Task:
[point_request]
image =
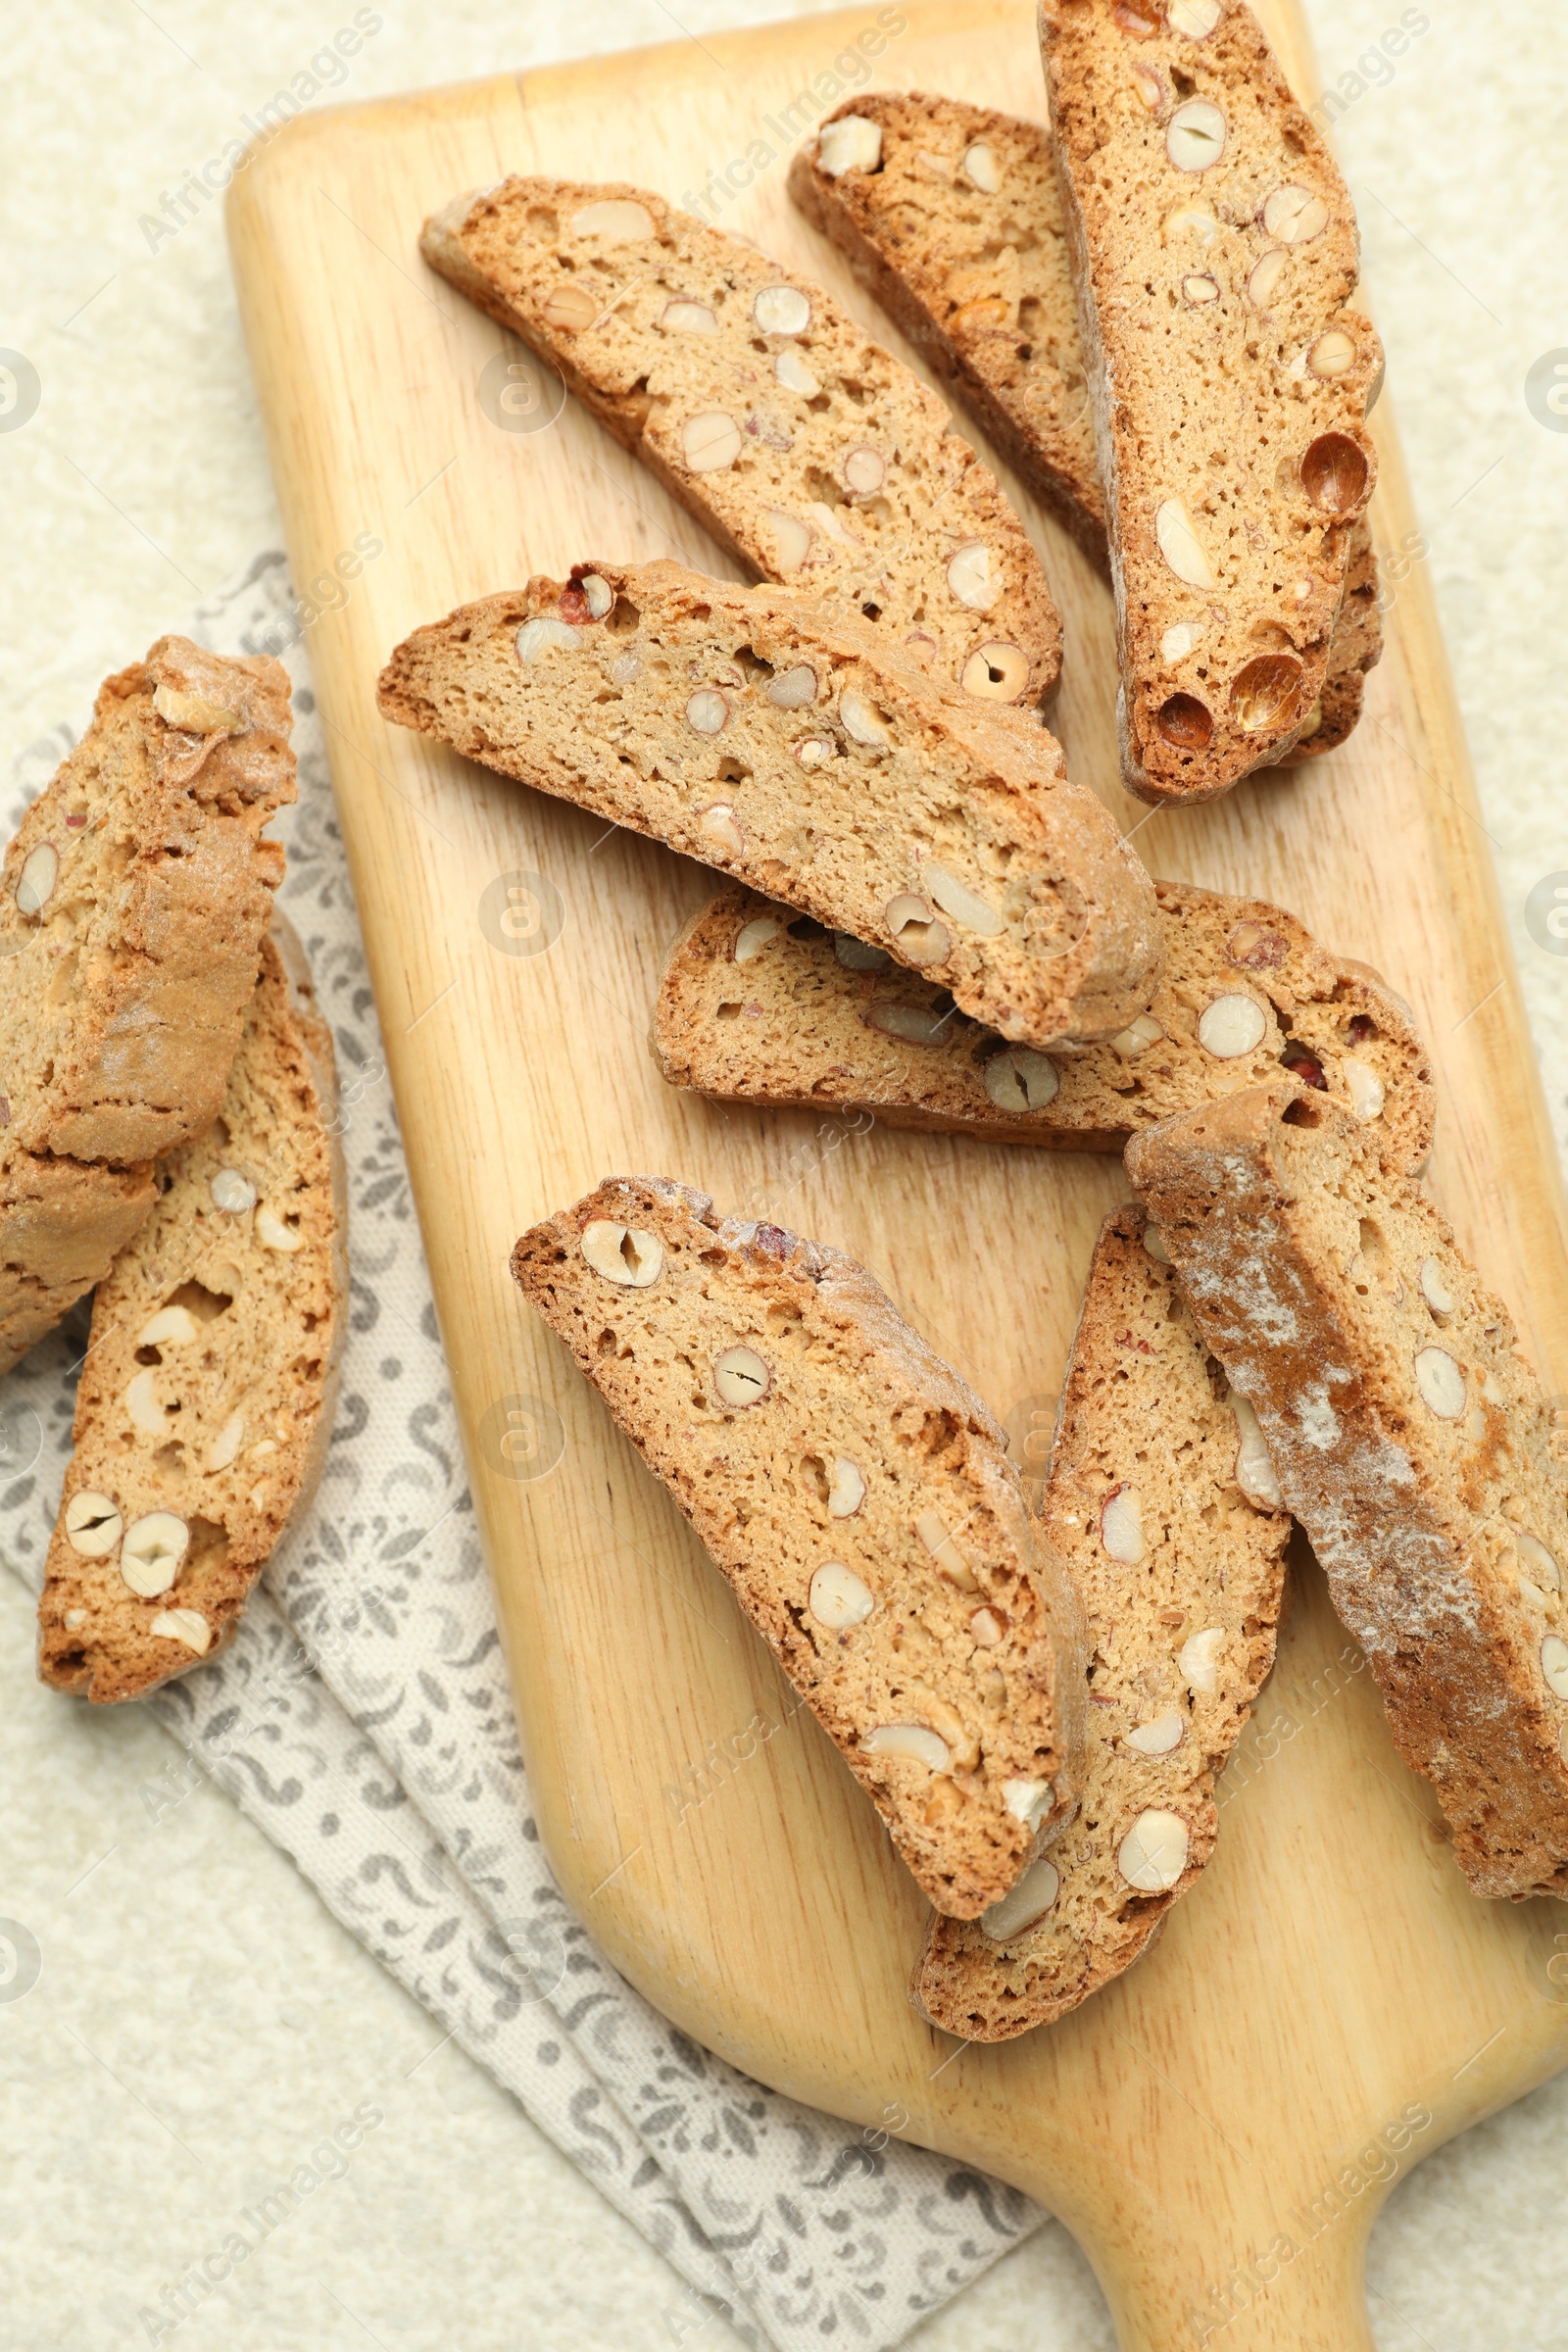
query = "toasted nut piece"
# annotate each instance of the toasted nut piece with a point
(914, 1024)
(680, 317)
(711, 441)
(851, 144)
(1028, 1802)
(1140, 17)
(1138, 1037)
(1121, 1526)
(911, 1741)
(986, 1628)
(1195, 136)
(861, 718)
(781, 310)
(623, 1254)
(932, 1530)
(755, 936)
(1159, 1737)
(1264, 275)
(1293, 215)
(935, 1712)
(170, 1327)
(1020, 1080)
(707, 710)
(857, 957)
(957, 899)
(141, 1403)
(194, 714)
(569, 308)
(815, 751)
(973, 575)
(791, 371)
(225, 1445)
(233, 1192)
(1554, 1664)
(793, 689)
(790, 536)
(997, 671)
(1151, 89)
(1257, 950)
(545, 630)
(1181, 639)
(274, 1234)
(922, 940)
(1154, 1853)
(74, 1619)
(599, 593)
(36, 881)
(93, 1524)
(1155, 1246)
(838, 1597)
(720, 829)
(1199, 1662)
(1232, 1025)
(1441, 1381)
(980, 169)
(1266, 693)
(1192, 219)
(1433, 1290)
(741, 1377)
(1024, 1904)
(1366, 1086)
(1197, 18)
(150, 1554)
(1186, 722)
(1542, 1564)
(1255, 1464)
(1200, 289)
(1332, 355)
(863, 471)
(1335, 473)
(184, 1625)
(935, 167)
(1180, 545)
(614, 220)
(846, 1488)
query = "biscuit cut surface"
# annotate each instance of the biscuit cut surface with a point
(61, 1223)
(134, 902)
(1163, 1512)
(778, 738)
(859, 1500)
(207, 1397)
(759, 1005)
(1411, 1438)
(808, 451)
(1214, 254)
(951, 215)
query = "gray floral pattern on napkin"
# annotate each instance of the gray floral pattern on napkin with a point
(363, 1718)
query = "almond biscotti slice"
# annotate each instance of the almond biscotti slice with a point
(61, 1224)
(759, 1005)
(857, 1498)
(205, 1403)
(134, 902)
(1411, 1438)
(1214, 254)
(809, 451)
(1163, 1510)
(952, 215)
(782, 740)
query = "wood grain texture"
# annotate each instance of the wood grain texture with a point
(1331, 1971)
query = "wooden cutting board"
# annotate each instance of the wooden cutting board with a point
(1330, 2004)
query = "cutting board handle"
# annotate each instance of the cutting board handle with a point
(1291, 2293)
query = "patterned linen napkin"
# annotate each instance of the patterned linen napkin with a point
(362, 1717)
